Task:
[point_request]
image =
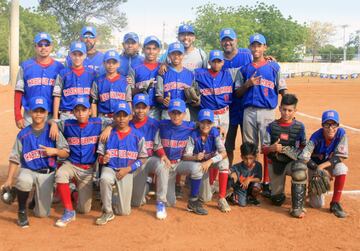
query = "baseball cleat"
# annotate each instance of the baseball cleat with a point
(196, 206)
(105, 218)
(223, 205)
(178, 192)
(337, 210)
(22, 221)
(67, 217)
(160, 210)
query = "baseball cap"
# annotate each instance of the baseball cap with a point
(186, 28)
(227, 32)
(82, 101)
(216, 54)
(88, 29)
(206, 114)
(330, 115)
(131, 35)
(177, 46)
(111, 54)
(141, 98)
(42, 36)
(38, 102)
(177, 105)
(257, 38)
(78, 46)
(123, 106)
(152, 39)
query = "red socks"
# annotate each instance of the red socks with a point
(213, 172)
(63, 190)
(338, 187)
(223, 177)
(266, 178)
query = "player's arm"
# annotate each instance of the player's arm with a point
(340, 154)
(159, 91)
(241, 86)
(19, 93)
(57, 96)
(159, 150)
(267, 147)
(189, 152)
(106, 128)
(281, 84)
(61, 150)
(14, 162)
(219, 156)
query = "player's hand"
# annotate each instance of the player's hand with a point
(162, 69)
(166, 101)
(106, 158)
(166, 161)
(49, 151)
(253, 80)
(7, 183)
(200, 156)
(20, 124)
(270, 58)
(221, 131)
(54, 131)
(234, 177)
(104, 136)
(123, 172)
(276, 147)
(206, 165)
(129, 80)
(245, 183)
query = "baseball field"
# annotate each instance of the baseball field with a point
(256, 227)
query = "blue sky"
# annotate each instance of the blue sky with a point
(147, 17)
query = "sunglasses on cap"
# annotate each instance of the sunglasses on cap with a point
(43, 43)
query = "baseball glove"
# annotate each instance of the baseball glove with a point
(291, 152)
(193, 96)
(319, 183)
(8, 195)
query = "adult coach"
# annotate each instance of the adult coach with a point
(130, 57)
(36, 77)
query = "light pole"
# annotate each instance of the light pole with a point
(14, 41)
(344, 27)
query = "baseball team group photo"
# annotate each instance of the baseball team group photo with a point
(198, 133)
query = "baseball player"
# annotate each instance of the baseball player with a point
(94, 58)
(82, 136)
(286, 131)
(245, 177)
(123, 153)
(36, 77)
(172, 137)
(36, 152)
(72, 82)
(205, 148)
(259, 84)
(130, 57)
(171, 85)
(109, 89)
(326, 150)
(143, 76)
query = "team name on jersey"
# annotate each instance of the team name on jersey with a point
(76, 91)
(82, 141)
(267, 83)
(174, 86)
(173, 143)
(35, 154)
(216, 91)
(122, 154)
(112, 95)
(40, 81)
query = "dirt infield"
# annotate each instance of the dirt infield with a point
(261, 227)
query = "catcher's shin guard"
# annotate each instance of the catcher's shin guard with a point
(298, 192)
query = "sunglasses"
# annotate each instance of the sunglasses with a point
(41, 44)
(332, 126)
(88, 36)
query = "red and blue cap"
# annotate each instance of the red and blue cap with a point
(186, 28)
(206, 114)
(227, 33)
(257, 38)
(111, 54)
(38, 102)
(131, 35)
(330, 115)
(177, 46)
(82, 101)
(88, 29)
(123, 106)
(42, 36)
(141, 98)
(78, 46)
(152, 39)
(216, 54)
(177, 105)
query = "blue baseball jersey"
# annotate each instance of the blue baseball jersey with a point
(127, 62)
(216, 92)
(243, 171)
(35, 79)
(94, 62)
(124, 150)
(148, 129)
(142, 73)
(243, 57)
(70, 86)
(174, 138)
(109, 93)
(264, 95)
(83, 142)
